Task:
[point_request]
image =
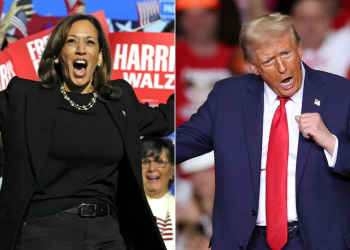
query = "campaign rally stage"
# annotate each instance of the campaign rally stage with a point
(145, 59)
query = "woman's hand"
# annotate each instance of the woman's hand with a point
(5, 23)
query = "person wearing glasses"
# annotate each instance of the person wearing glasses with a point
(158, 177)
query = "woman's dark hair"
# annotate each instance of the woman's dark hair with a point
(153, 147)
(51, 74)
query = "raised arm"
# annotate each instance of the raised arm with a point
(157, 121)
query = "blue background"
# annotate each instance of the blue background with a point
(116, 9)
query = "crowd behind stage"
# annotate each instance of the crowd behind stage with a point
(207, 50)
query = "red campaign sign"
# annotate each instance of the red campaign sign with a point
(1, 5)
(147, 61)
(26, 52)
(101, 17)
(6, 69)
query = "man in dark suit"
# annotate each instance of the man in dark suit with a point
(281, 143)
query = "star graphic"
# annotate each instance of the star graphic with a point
(124, 27)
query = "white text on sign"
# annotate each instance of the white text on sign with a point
(36, 49)
(143, 61)
(140, 80)
(6, 73)
(151, 58)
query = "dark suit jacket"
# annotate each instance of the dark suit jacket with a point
(230, 122)
(27, 113)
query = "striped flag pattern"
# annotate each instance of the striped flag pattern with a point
(148, 11)
(166, 228)
(164, 211)
(20, 22)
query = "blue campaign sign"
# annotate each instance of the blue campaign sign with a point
(167, 9)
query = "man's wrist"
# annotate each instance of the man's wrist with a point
(331, 145)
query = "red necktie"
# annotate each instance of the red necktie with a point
(276, 179)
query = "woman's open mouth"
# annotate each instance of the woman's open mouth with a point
(79, 67)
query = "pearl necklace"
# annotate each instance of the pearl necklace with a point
(83, 107)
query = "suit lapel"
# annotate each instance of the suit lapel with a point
(41, 107)
(127, 129)
(253, 108)
(312, 93)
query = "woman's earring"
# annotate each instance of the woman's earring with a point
(99, 64)
(56, 61)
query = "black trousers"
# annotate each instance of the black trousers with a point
(70, 232)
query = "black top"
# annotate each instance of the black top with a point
(81, 164)
(27, 116)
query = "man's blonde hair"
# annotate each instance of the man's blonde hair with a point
(263, 30)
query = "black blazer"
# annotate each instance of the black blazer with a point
(27, 113)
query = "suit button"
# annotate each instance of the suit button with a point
(240, 248)
(253, 212)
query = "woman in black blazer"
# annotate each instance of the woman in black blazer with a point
(72, 152)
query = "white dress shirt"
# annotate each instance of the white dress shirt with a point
(293, 108)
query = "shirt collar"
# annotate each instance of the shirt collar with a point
(270, 96)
